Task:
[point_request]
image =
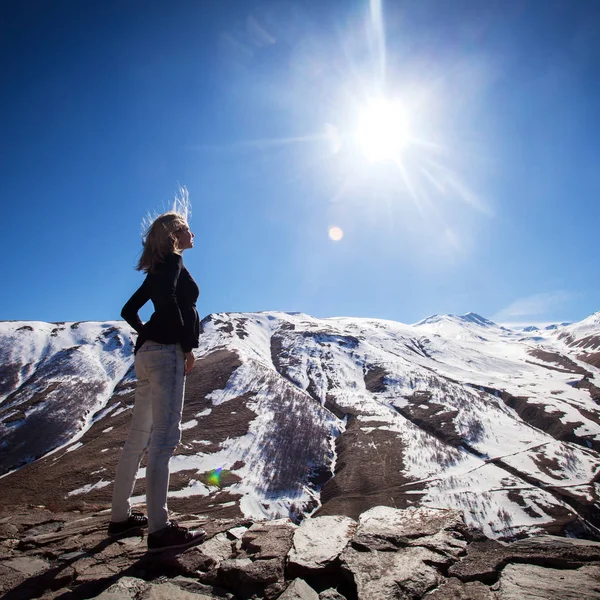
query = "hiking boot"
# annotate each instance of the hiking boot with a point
(136, 520)
(174, 536)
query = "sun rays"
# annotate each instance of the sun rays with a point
(378, 151)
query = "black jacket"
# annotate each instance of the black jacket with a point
(173, 292)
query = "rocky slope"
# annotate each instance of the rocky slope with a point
(386, 554)
(287, 416)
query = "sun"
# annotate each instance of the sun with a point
(383, 131)
(336, 233)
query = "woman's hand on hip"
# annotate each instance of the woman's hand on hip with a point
(189, 361)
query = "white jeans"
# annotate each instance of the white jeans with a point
(156, 425)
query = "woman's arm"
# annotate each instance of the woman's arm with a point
(134, 304)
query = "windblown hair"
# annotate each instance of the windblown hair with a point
(159, 237)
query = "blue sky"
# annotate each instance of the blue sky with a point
(485, 200)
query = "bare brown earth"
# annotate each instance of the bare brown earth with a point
(294, 453)
(536, 414)
(593, 359)
(591, 345)
(566, 365)
(590, 342)
(49, 480)
(367, 472)
(594, 391)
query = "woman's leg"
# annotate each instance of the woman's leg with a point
(137, 441)
(167, 381)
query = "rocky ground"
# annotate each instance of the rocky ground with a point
(386, 554)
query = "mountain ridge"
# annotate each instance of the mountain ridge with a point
(287, 409)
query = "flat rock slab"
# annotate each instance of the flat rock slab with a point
(127, 588)
(33, 515)
(246, 571)
(237, 532)
(168, 591)
(9, 579)
(268, 539)
(485, 559)
(26, 565)
(455, 589)
(449, 543)
(43, 528)
(8, 531)
(132, 588)
(574, 548)
(530, 582)
(386, 528)
(319, 541)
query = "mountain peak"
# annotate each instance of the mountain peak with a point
(469, 317)
(593, 319)
(475, 318)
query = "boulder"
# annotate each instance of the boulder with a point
(127, 588)
(268, 539)
(191, 584)
(192, 562)
(299, 590)
(239, 573)
(455, 589)
(169, 591)
(131, 588)
(331, 594)
(218, 548)
(404, 574)
(482, 562)
(237, 533)
(318, 542)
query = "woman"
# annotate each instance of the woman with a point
(163, 356)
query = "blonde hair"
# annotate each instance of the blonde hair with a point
(159, 237)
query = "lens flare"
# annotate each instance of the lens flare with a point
(336, 233)
(214, 477)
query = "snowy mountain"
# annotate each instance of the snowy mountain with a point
(585, 337)
(286, 414)
(55, 378)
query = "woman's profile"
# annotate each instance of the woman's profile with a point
(163, 357)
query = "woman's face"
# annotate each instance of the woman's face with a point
(185, 238)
